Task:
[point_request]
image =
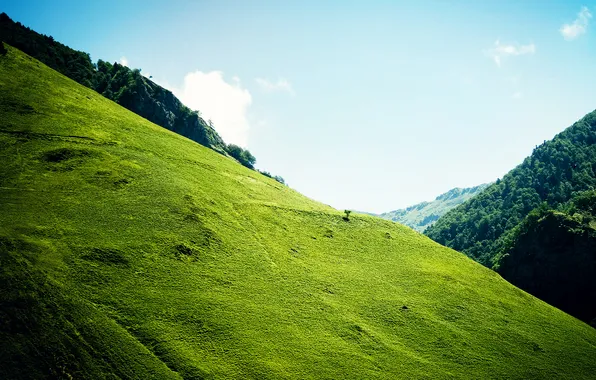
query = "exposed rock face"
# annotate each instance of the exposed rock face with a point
(160, 106)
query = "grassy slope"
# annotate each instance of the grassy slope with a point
(127, 250)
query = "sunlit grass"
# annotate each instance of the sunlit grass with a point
(130, 251)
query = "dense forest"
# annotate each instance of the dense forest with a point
(556, 171)
(124, 86)
(552, 255)
(74, 64)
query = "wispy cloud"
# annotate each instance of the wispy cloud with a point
(577, 27)
(516, 95)
(123, 61)
(282, 85)
(501, 51)
(224, 103)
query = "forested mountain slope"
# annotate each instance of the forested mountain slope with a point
(552, 255)
(128, 251)
(425, 214)
(554, 172)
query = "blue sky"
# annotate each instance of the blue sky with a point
(371, 105)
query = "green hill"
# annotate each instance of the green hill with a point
(128, 251)
(123, 85)
(425, 214)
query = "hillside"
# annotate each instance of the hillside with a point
(552, 255)
(553, 173)
(425, 214)
(128, 251)
(125, 86)
(119, 83)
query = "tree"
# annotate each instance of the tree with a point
(275, 177)
(242, 155)
(249, 159)
(347, 217)
(3, 50)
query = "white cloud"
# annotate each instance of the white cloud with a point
(226, 104)
(516, 95)
(500, 51)
(577, 27)
(282, 85)
(123, 61)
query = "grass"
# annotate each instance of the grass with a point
(127, 251)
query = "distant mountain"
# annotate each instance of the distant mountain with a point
(423, 215)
